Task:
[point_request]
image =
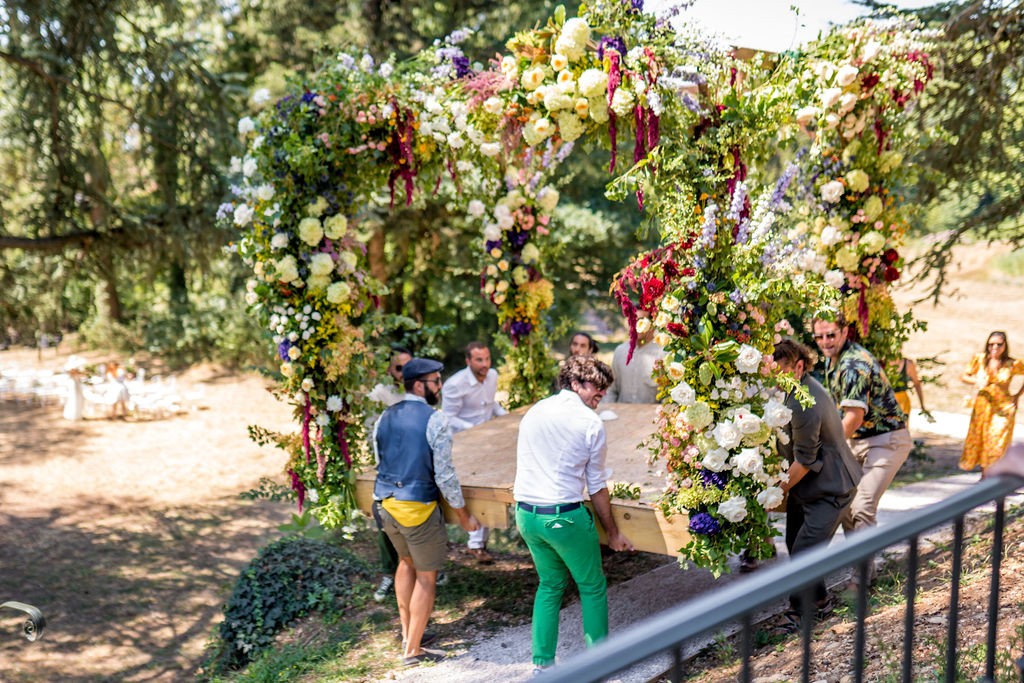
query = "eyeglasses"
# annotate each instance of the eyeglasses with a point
(827, 335)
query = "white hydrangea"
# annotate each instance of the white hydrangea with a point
(593, 83)
(572, 41)
(279, 240)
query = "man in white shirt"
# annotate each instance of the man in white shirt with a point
(633, 382)
(560, 458)
(467, 399)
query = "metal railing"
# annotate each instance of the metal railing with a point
(672, 630)
(36, 622)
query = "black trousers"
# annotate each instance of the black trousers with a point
(811, 523)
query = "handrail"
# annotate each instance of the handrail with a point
(673, 627)
(36, 622)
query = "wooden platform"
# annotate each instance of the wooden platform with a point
(485, 459)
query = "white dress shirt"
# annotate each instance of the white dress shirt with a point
(633, 382)
(467, 402)
(561, 452)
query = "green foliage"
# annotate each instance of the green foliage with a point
(267, 489)
(288, 579)
(625, 490)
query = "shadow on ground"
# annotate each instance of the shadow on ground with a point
(114, 582)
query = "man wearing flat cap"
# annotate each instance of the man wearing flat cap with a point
(413, 444)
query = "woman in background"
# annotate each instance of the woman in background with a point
(995, 408)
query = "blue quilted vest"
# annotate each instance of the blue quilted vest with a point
(406, 468)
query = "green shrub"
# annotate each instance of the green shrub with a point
(288, 579)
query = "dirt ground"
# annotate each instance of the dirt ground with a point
(129, 534)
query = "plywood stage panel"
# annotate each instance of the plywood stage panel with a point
(485, 459)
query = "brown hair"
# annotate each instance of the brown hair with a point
(582, 369)
(474, 346)
(1006, 345)
(792, 351)
(590, 341)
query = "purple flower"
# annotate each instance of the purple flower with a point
(703, 523)
(462, 67)
(492, 244)
(716, 479)
(225, 210)
(518, 239)
(637, 6)
(613, 43)
(282, 349)
(520, 328)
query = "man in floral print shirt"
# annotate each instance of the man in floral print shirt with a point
(872, 418)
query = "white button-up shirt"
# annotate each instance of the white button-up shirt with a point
(561, 452)
(467, 402)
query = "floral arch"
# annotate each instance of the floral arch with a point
(745, 247)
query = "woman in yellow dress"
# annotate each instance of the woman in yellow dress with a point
(995, 408)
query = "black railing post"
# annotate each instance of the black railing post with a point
(954, 599)
(993, 594)
(862, 613)
(908, 620)
(746, 646)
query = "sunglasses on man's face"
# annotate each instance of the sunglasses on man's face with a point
(827, 335)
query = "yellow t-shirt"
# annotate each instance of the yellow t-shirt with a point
(408, 512)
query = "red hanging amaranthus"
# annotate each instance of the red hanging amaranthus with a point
(614, 81)
(401, 152)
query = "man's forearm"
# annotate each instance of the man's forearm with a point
(603, 507)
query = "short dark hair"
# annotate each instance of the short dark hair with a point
(474, 346)
(594, 348)
(792, 351)
(581, 369)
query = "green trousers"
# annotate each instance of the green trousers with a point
(563, 545)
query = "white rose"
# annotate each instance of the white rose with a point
(749, 461)
(490, 149)
(770, 498)
(246, 125)
(559, 62)
(260, 96)
(749, 359)
(683, 394)
(593, 83)
(265, 192)
(847, 74)
(734, 509)
(747, 422)
(294, 352)
(456, 141)
(476, 208)
(243, 214)
(509, 67)
(493, 105)
(726, 435)
(492, 232)
(249, 167)
(807, 114)
(831, 235)
(832, 191)
(830, 96)
(715, 460)
(847, 102)
(835, 278)
(643, 326)
(870, 51)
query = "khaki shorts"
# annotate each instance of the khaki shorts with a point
(426, 544)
